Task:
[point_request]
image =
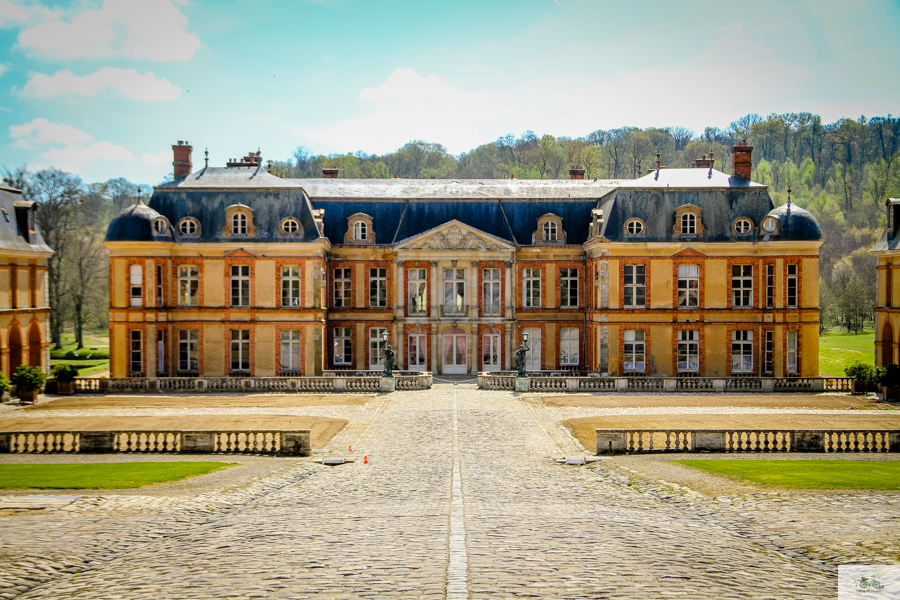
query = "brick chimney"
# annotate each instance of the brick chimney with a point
(330, 172)
(576, 172)
(182, 163)
(741, 160)
(703, 163)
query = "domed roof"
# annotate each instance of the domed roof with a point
(137, 224)
(796, 223)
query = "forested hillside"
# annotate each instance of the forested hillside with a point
(841, 171)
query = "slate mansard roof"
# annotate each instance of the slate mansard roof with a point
(506, 208)
(14, 230)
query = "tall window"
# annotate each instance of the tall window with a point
(532, 289)
(160, 351)
(769, 353)
(568, 346)
(342, 281)
(888, 283)
(688, 351)
(160, 296)
(792, 286)
(688, 286)
(189, 350)
(290, 350)
(792, 353)
(240, 350)
(136, 278)
(742, 285)
(741, 351)
(188, 286)
(359, 230)
(568, 288)
(770, 286)
(490, 289)
(635, 286)
(378, 287)
(136, 353)
(418, 291)
(550, 233)
(454, 291)
(239, 224)
(240, 285)
(634, 350)
(376, 347)
(290, 285)
(688, 224)
(343, 351)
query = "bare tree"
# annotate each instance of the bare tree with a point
(682, 136)
(86, 265)
(16, 177)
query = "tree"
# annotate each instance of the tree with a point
(16, 177)
(86, 266)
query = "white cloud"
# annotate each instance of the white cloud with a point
(18, 13)
(41, 132)
(74, 157)
(3, 69)
(126, 82)
(135, 29)
(159, 158)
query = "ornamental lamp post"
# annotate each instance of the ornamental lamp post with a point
(388, 356)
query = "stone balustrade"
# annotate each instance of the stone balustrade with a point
(614, 441)
(272, 441)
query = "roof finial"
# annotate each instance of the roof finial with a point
(789, 197)
(640, 169)
(658, 163)
(140, 191)
(206, 157)
(711, 163)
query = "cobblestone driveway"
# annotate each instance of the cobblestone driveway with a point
(459, 500)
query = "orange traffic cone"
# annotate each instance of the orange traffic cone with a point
(351, 448)
(365, 460)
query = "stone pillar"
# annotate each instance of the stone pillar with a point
(713, 441)
(807, 441)
(610, 442)
(198, 442)
(473, 295)
(435, 300)
(296, 443)
(96, 442)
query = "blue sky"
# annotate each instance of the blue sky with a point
(104, 87)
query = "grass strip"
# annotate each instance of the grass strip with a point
(99, 476)
(839, 350)
(807, 474)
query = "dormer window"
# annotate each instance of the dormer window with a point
(239, 224)
(359, 230)
(634, 227)
(743, 226)
(290, 226)
(160, 226)
(239, 221)
(189, 226)
(688, 222)
(549, 230)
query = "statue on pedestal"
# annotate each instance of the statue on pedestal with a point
(389, 355)
(520, 359)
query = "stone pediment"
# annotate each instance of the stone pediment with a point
(688, 253)
(454, 236)
(239, 253)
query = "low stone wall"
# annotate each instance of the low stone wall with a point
(714, 385)
(335, 382)
(618, 441)
(278, 442)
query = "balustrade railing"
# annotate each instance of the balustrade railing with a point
(547, 383)
(577, 381)
(596, 383)
(695, 383)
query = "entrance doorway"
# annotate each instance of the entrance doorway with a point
(490, 350)
(418, 348)
(887, 344)
(34, 345)
(533, 356)
(15, 349)
(453, 350)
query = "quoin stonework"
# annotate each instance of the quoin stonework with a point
(232, 271)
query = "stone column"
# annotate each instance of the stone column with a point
(473, 293)
(399, 289)
(434, 303)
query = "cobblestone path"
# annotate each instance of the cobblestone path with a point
(459, 501)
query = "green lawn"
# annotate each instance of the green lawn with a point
(808, 474)
(85, 367)
(92, 341)
(99, 476)
(839, 349)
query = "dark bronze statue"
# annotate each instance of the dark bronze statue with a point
(520, 359)
(388, 362)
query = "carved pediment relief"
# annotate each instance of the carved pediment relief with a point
(455, 237)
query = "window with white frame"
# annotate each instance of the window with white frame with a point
(343, 349)
(240, 350)
(189, 350)
(290, 226)
(136, 353)
(454, 291)
(770, 286)
(634, 286)
(377, 346)
(188, 285)
(769, 353)
(688, 351)
(290, 285)
(136, 285)
(531, 291)
(290, 350)
(342, 281)
(741, 351)
(568, 346)
(189, 227)
(743, 227)
(239, 224)
(360, 231)
(550, 232)
(634, 227)
(792, 286)
(490, 286)
(742, 285)
(792, 367)
(418, 291)
(378, 287)
(568, 288)
(688, 224)
(240, 285)
(688, 286)
(634, 350)
(160, 296)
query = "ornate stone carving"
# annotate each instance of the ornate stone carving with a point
(455, 238)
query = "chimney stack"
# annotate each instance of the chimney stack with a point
(703, 163)
(576, 172)
(182, 164)
(330, 172)
(741, 161)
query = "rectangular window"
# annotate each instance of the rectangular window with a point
(343, 351)
(454, 291)
(290, 350)
(742, 285)
(490, 287)
(290, 285)
(378, 287)
(137, 276)
(418, 291)
(792, 286)
(377, 346)
(188, 286)
(568, 346)
(769, 353)
(568, 288)
(792, 353)
(160, 297)
(634, 350)
(160, 351)
(189, 350)
(770, 286)
(741, 351)
(240, 350)
(532, 289)
(635, 286)
(136, 353)
(688, 351)
(240, 285)
(688, 286)
(342, 280)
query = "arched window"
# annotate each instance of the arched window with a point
(239, 224)
(359, 230)
(634, 227)
(290, 226)
(160, 226)
(550, 231)
(189, 227)
(743, 226)
(688, 224)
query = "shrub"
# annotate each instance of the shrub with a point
(4, 385)
(65, 373)
(86, 355)
(859, 371)
(28, 378)
(890, 376)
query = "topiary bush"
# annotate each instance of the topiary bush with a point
(859, 371)
(65, 373)
(28, 378)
